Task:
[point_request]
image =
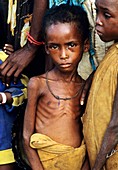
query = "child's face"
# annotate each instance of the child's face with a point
(107, 19)
(65, 46)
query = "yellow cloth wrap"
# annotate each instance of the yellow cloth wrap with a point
(3, 56)
(99, 106)
(6, 157)
(56, 156)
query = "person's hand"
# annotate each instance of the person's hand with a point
(86, 89)
(8, 49)
(16, 62)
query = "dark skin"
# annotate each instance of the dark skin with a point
(62, 117)
(8, 49)
(8, 167)
(18, 60)
(107, 26)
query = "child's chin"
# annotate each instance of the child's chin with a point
(104, 39)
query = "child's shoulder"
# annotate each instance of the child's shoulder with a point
(37, 81)
(41, 77)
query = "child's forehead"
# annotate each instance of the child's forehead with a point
(107, 3)
(63, 23)
(63, 31)
(109, 6)
(60, 25)
(60, 29)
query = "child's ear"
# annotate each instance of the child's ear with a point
(86, 45)
(46, 49)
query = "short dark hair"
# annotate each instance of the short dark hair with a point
(65, 14)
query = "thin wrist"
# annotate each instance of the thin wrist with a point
(31, 48)
(32, 43)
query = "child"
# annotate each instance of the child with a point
(11, 97)
(101, 121)
(52, 123)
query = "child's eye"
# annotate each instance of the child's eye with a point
(107, 15)
(71, 45)
(53, 46)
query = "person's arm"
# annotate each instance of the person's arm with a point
(29, 124)
(86, 89)
(110, 139)
(18, 60)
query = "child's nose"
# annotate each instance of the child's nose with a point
(98, 21)
(64, 53)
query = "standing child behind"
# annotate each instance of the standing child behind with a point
(52, 123)
(101, 115)
(11, 97)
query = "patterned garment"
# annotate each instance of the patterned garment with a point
(8, 114)
(58, 2)
(14, 12)
(18, 12)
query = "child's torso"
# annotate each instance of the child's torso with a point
(59, 112)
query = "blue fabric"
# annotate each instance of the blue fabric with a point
(6, 123)
(8, 113)
(15, 92)
(7, 116)
(70, 2)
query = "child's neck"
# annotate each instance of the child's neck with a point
(65, 76)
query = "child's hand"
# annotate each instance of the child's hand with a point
(8, 49)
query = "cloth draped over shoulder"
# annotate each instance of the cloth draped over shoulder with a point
(56, 156)
(99, 106)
